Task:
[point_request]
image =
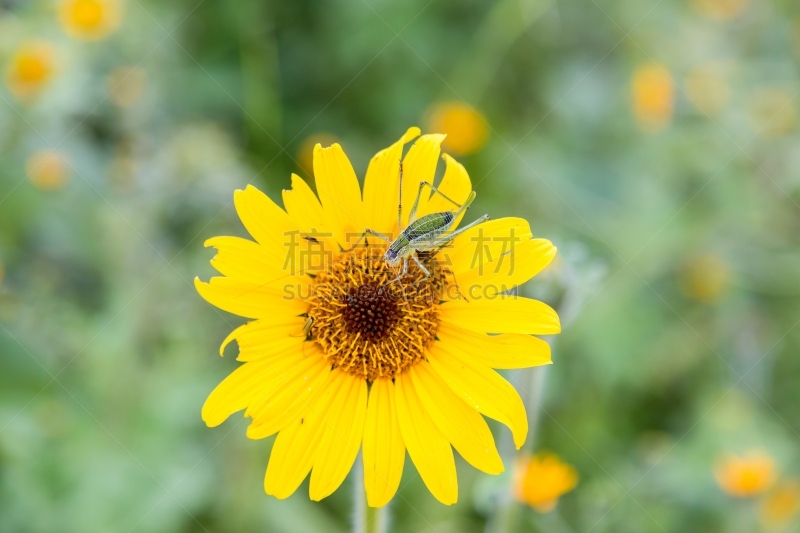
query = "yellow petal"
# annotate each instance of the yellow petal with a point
(456, 185)
(381, 186)
(303, 206)
(503, 314)
(344, 429)
(383, 449)
(295, 448)
(244, 386)
(429, 449)
(293, 396)
(503, 272)
(420, 165)
(467, 250)
(461, 424)
(496, 351)
(339, 192)
(248, 299)
(263, 338)
(481, 387)
(264, 220)
(247, 260)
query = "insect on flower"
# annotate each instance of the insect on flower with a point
(428, 233)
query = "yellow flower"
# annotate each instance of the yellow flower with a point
(47, 170)
(653, 97)
(90, 20)
(31, 68)
(705, 278)
(542, 479)
(746, 476)
(465, 128)
(781, 505)
(349, 359)
(721, 9)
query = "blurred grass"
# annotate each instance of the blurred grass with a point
(107, 352)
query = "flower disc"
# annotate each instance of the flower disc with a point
(368, 322)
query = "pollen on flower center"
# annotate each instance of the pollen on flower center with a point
(368, 324)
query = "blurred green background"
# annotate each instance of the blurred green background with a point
(654, 141)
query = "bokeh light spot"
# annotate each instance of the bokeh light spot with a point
(653, 97)
(47, 170)
(465, 127)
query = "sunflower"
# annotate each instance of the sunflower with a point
(48, 170)
(341, 355)
(745, 476)
(465, 127)
(31, 68)
(90, 20)
(781, 505)
(652, 97)
(542, 479)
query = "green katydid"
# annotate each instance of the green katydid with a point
(425, 234)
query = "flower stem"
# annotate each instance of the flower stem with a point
(367, 519)
(530, 383)
(505, 518)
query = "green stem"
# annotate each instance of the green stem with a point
(506, 517)
(367, 519)
(530, 383)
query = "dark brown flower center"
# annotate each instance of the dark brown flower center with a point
(371, 310)
(366, 321)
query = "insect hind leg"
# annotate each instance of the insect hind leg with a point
(441, 242)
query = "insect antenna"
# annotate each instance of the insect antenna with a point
(400, 202)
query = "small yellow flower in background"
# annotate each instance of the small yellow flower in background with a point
(345, 352)
(465, 127)
(652, 97)
(126, 85)
(707, 88)
(305, 154)
(720, 9)
(746, 476)
(704, 278)
(781, 505)
(31, 68)
(542, 479)
(90, 20)
(47, 170)
(773, 112)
